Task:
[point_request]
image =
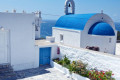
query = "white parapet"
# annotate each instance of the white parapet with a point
(66, 72)
(50, 39)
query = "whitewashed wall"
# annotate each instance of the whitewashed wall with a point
(100, 41)
(70, 37)
(37, 34)
(38, 21)
(94, 59)
(22, 39)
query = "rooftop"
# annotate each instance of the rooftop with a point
(44, 43)
(73, 21)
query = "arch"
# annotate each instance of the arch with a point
(101, 28)
(96, 40)
(67, 6)
(98, 18)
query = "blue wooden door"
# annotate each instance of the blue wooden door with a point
(44, 56)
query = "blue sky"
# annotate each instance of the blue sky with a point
(56, 7)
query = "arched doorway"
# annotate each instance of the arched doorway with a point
(4, 47)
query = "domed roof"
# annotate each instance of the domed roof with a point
(101, 28)
(73, 21)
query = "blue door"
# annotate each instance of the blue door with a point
(44, 56)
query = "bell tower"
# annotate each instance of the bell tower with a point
(69, 4)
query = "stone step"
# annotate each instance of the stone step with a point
(4, 65)
(7, 72)
(13, 78)
(8, 77)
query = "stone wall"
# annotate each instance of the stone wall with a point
(94, 59)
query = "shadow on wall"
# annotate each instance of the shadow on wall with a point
(32, 72)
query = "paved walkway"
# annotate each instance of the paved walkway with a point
(42, 73)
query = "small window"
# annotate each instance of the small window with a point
(61, 38)
(110, 40)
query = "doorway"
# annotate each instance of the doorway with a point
(44, 56)
(4, 47)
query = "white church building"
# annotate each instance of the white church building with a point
(85, 30)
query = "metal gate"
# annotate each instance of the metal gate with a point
(44, 56)
(4, 42)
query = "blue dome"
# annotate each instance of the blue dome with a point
(73, 21)
(101, 28)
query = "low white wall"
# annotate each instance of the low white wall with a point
(66, 72)
(94, 59)
(69, 36)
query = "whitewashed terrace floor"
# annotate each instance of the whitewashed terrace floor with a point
(42, 73)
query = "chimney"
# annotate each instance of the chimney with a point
(14, 11)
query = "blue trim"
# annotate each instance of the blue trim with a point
(101, 28)
(73, 21)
